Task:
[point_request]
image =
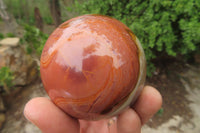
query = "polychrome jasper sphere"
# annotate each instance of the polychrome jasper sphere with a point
(93, 67)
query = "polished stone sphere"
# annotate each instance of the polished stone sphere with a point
(93, 67)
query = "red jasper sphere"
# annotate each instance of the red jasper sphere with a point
(93, 67)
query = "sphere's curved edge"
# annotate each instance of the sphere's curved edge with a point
(139, 86)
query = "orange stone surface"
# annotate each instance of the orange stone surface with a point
(90, 65)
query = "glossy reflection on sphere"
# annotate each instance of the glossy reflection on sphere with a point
(92, 67)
